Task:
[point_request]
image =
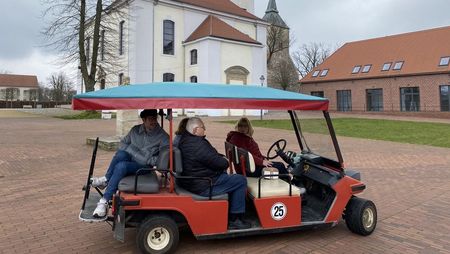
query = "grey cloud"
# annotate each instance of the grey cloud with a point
(20, 26)
(339, 21)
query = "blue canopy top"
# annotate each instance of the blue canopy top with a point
(196, 95)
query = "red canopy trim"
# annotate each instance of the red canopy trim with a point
(203, 103)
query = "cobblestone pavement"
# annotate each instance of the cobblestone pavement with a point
(44, 162)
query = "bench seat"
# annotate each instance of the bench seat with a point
(271, 188)
(147, 183)
(181, 191)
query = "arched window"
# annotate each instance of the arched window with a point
(121, 26)
(168, 37)
(168, 77)
(193, 56)
(102, 84)
(102, 45)
(193, 79)
(88, 49)
(120, 79)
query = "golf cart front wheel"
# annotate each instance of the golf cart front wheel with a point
(158, 234)
(361, 216)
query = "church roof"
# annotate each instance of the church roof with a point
(225, 6)
(272, 15)
(214, 27)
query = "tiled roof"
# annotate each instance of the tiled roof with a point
(225, 6)
(421, 52)
(214, 27)
(9, 80)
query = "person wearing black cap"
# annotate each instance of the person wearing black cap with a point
(138, 149)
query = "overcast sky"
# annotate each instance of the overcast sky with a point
(328, 21)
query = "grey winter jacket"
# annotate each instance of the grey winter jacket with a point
(144, 146)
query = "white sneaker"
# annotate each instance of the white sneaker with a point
(100, 182)
(101, 209)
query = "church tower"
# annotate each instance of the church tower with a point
(281, 71)
(248, 5)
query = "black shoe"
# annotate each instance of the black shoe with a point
(239, 224)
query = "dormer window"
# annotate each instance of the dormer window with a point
(366, 68)
(386, 66)
(444, 61)
(316, 73)
(398, 65)
(356, 69)
(324, 73)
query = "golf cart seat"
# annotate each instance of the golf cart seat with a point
(270, 186)
(178, 168)
(147, 180)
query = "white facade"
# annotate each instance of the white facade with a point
(145, 61)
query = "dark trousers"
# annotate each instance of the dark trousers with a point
(236, 187)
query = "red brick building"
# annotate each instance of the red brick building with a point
(405, 72)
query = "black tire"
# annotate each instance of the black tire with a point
(157, 234)
(361, 216)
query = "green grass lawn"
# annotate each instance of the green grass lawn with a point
(433, 134)
(82, 115)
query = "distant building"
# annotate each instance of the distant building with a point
(18, 87)
(186, 41)
(405, 72)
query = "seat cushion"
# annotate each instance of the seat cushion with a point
(147, 183)
(180, 191)
(271, 188)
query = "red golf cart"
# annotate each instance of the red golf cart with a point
(319, 192)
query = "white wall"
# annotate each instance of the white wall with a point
(141, 42)
(249, 5)
(169, 63)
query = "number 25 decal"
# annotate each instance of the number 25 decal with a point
(278, 211)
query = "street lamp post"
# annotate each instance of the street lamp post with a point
(262, 78)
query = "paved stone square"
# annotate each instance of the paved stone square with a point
(44, 162)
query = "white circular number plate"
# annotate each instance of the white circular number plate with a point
(278, 211)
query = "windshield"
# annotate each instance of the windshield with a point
(316, 137)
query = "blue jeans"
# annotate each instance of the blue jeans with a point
(236, 187)
(121, 166)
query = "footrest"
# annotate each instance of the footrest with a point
(86, 215)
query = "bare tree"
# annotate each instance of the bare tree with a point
(284, 75)
(5, 72)
(278, 39)
(61, 87)
(309, 56)
(12, 94)
(78, 31)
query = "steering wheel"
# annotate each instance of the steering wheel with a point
(280, 145)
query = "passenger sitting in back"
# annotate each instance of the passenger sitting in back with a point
(201, 159)
(243, 137)
(179, 132)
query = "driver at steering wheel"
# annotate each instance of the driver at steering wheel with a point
(243, 137)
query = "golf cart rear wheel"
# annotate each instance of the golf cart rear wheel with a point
(158, 234)
(361, 216)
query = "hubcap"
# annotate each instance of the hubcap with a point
(368, 218)
(158, 238)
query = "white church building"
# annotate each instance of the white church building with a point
(198, 41)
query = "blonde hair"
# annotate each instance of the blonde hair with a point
(182, 126)
(241, 124)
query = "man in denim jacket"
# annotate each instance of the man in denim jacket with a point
(138, 149)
